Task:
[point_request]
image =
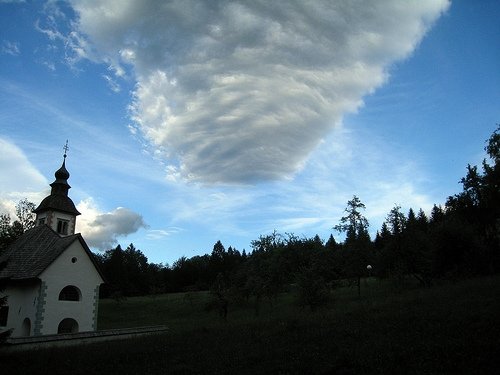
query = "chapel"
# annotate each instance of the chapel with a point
(52, 279)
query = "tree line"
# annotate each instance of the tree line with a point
(459, 239)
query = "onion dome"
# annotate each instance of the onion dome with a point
(58, 199)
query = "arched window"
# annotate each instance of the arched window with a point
(70, 293)
(26, 327)
(4, 314)
(68, 325)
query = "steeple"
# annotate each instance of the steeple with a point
(60, 185)
(57, 210)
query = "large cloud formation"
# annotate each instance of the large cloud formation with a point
(241, 91)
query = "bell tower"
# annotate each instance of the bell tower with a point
(57, 210)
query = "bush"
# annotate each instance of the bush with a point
(313, 291)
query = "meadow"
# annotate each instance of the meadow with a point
(451, 328)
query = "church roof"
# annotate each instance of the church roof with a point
(35, 250)
(57, 202)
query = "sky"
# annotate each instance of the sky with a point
(190, 122)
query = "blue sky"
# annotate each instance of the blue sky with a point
(191, 122)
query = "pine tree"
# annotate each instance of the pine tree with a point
(357, 242)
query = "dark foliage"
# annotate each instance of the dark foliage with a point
(4, 334)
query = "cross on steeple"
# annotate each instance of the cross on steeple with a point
(65, 148)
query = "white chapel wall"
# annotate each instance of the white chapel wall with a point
(72, 267)
(22, 302)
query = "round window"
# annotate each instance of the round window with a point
(73, 260)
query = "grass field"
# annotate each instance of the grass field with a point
(453, 328)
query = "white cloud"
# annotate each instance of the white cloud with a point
(242, 91)
(113, 85)
(10, 48)
(19, 178)
(101, 230)
(158, 234)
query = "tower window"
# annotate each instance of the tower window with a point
(62, 226)
(41, 221)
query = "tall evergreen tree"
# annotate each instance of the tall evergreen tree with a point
(357, 249)
(331, 244)
(422, 221)
(353, 224)
(396, 258)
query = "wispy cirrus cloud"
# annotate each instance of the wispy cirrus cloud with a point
(158, 234)
(19, 179)
(10, 48)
